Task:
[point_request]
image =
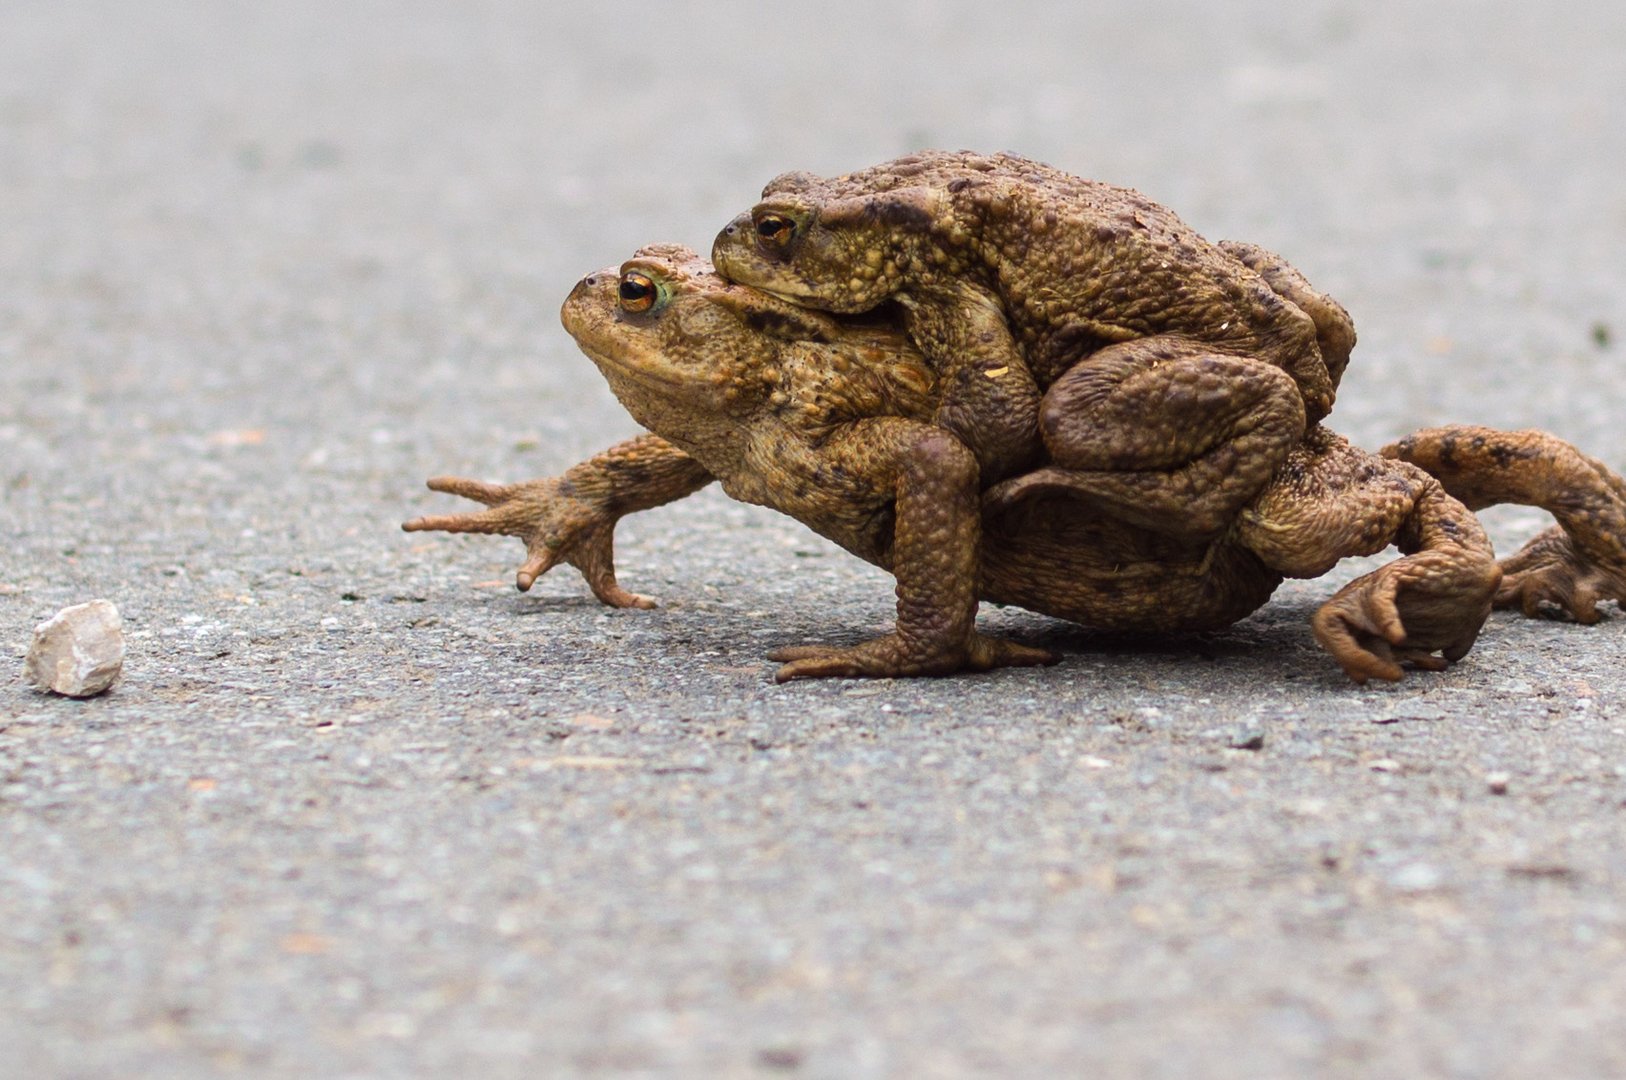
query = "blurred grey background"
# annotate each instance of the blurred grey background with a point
(358, 809)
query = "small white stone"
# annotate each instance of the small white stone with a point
(1416, 877)
(78, 652)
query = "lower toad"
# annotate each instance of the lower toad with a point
(829, 419)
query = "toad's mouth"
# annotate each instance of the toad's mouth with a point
(753, 272)
(589, 317)
(809, 292)
(741, 266)
(616, 365)
(780, 290)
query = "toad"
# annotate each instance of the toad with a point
(1156, 375)
(832, 420)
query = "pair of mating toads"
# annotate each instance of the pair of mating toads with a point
(1001, 382)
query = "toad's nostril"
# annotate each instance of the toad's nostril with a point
(590, 280)
(730, 230)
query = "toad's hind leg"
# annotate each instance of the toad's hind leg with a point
(1571, 567)
(1331, 501)
(1163, 433)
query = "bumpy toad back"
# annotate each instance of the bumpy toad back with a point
(1077, 264)
(1068, 319)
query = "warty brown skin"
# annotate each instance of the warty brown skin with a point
(1574, 565)
(830, 421)
(1162, 376)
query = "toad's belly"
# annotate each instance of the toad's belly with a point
(1111, 578)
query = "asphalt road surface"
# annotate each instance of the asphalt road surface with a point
(359, 809)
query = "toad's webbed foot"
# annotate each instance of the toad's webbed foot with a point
(1551, 575)
(1332, 501)
(1406, 612)
(1572, 567)
(555, 526)
(895, 656)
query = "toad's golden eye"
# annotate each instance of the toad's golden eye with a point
(637, 292)
(775, 229)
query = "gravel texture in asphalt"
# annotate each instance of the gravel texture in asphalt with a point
(358, 808)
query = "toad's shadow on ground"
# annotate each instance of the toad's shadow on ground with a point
(526, 606)
(1278, 629)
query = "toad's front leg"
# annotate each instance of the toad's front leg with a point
(572, 518)
(933, 555)
(989, 400)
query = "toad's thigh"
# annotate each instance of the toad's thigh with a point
(1161, 403)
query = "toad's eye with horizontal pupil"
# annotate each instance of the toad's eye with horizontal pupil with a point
(637, 293)
(775, 228)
